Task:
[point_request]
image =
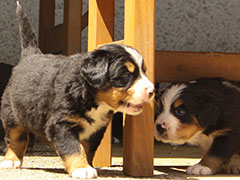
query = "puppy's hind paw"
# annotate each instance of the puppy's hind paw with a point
(10, 164)
(84, 173)
(198, 169)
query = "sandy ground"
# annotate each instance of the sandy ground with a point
(170, 162)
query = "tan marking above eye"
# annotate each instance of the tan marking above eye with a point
(177, 103)
(130, 66)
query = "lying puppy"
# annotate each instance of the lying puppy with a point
(204, 112)
(69, 100)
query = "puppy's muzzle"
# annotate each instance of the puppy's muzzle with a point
(160, 129)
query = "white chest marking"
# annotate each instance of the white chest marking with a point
(101, 119)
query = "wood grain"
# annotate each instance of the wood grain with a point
(185, 66)
(100, 31)
(138, 130)
(72, 26)
(46, 19)
(100, 23)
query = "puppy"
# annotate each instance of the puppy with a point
(69, 100)
(204, 112)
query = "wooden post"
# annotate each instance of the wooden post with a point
(72, 26)
(100, 31)
(46, 19)
(138, 139)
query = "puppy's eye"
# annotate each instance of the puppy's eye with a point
(180, 111)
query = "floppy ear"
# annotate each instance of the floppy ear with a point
(208, 114)
(95, 69)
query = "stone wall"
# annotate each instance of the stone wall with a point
(181, 25)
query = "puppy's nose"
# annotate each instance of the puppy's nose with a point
(149, 91)
(160, 129)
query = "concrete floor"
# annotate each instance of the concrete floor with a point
(170, 162)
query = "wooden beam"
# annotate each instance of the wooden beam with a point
(100, 23)
(46, 20)
(114, 42)
(185, 66)
(72, 26)
(54, 39)
(54, 36)
(138, 130)
(100, 31)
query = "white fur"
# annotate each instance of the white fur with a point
(142, 83)
(136, 56)
(198, 169)
(166, 117)
(10, 164)
(171, 94)
(84, 173)
(202, 140)
(139, 88)
(172, 124)
(101, 119)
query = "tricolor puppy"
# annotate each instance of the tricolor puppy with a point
(204, 112)
(69, 100)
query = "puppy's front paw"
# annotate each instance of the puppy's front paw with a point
(84, 173)
(233, 167)
(198, 169)
(10, 164)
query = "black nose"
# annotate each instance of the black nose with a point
(160, 129)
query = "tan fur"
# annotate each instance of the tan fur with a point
(187, 131)
(177, 103)
(219, 132)
(158, 103)
(76, 120)
(233, 165)
(130, 66)
(112, 97)
(90, 155)
(75, 161)
(214, 163)
(16, 147)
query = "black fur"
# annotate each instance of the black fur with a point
(215, 103)
(52, 95)
(5, 73)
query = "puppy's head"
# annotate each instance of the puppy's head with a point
(118, 74)
(184, 111)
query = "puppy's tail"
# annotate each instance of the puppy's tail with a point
(27, 35)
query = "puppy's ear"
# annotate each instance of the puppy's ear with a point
(95, 69)
(208, 114)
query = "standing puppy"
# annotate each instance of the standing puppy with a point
(204, 112)
(69, 100)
